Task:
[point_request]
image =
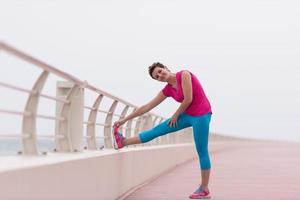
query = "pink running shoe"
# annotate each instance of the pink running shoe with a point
(118, 139)
(200, 193)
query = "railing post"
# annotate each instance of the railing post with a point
(137, 125)
(123, 114)
(108, 142)
(69, 132)
(29, 121)
(91, 127)
(129, 127)
(147, 122)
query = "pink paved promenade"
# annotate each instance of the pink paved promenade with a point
(241, 171)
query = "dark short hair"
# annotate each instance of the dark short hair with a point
(153, 66)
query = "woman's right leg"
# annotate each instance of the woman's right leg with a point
(201, 136)
(159, 130)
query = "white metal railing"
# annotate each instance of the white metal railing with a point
(63, 138)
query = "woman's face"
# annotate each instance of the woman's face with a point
(161, 74)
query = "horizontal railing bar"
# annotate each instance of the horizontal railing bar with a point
(13, 87)
(31, 92)
(118, 115)
(27, 136)
(54, 98)
(88, 136)
(98, 124)
(89, 108)
(45, 116)
(51, 136)
(51, 117)
(13, 112)
(104, 111)
(101, 137)
(14, 136)
(129, 128)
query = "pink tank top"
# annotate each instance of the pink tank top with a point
(200, 104)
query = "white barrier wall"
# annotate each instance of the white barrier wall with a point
(94, 175)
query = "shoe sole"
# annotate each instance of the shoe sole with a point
(207, 197)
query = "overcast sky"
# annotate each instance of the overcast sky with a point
(245, 53)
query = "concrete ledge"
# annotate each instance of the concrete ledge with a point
(97, 175)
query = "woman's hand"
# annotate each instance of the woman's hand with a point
(119, 123)
(173, 121)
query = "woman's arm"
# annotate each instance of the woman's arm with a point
(160, 97)
(186, 82)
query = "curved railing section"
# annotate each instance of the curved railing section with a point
(67, 137)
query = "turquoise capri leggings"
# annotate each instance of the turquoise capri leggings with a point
(200, 126)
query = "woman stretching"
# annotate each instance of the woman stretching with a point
(194, 111)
